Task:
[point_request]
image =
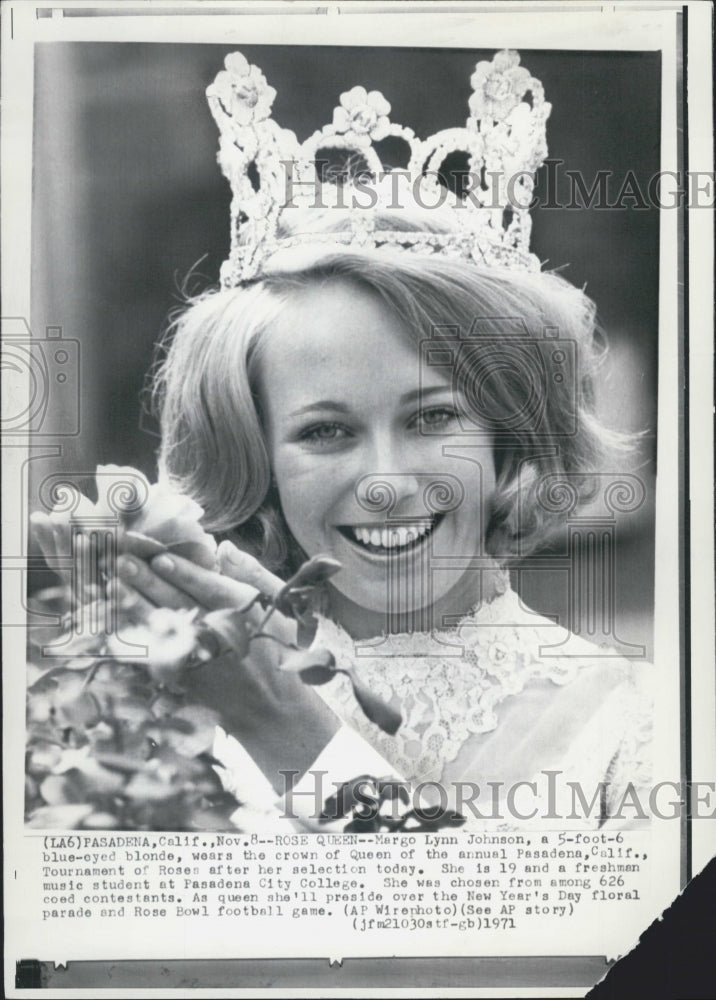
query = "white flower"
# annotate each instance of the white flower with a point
(161, 516)
(498, 653)
(362, 116)
(243, 90)
(168, 637)
(498, 86)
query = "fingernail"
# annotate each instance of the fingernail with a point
(227, 550)
(164, 563)
(127, 566)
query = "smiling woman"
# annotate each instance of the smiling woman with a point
(399, 414)
(358, 411)
(335, 379)
(400, 394)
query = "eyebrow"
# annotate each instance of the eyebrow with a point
(423, 391)
(337, 407)
(321, 404)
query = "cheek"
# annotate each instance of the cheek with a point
(477, 478)
(308, 495)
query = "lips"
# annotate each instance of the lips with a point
(390, 540)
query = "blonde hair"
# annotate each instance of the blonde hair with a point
(212, 440)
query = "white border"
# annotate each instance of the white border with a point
(701, 389)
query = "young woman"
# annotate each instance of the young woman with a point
(403, 390)
(399, 413)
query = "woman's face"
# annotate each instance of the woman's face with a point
(346, 407)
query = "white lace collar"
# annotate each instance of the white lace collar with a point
(446, 684)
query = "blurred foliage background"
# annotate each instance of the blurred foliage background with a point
(128, 199)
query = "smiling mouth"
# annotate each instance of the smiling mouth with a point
(390, 541)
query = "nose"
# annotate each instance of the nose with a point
(389, 476)
(387, 492)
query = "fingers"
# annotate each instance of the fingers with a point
(246, 569)
(137, 575)
(131, 601)
(208, 588)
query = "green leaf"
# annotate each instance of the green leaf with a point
(298, 595)
(382, 714)
(344, 799)
(390, 790)
(307, 659)
(313, 572)
(360, 825)
(314, 666)
(427, 821)
(315, 676)
(299, 603)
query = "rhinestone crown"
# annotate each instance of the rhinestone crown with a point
(503, 144)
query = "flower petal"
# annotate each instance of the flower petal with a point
(520, 79)
(477, 105)
(482, 70)
(341, 119)
(121, 492)
(505, 60)
(377, 101)
(353, 97)
(380, 130)
(237, 64)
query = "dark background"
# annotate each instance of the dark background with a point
(128, 198)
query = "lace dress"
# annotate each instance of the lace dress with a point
(506, 696)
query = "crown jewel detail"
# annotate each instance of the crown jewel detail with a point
(270, 171)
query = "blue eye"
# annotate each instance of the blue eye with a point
(323, 434)
(437, 417)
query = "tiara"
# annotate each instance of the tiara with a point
(270, 172)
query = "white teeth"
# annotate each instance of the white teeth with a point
(391, 538)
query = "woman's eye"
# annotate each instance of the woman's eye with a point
(323, 434)
(437, 417)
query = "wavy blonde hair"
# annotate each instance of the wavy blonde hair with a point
(205, 386)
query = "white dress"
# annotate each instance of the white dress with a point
(512, 697)
(505, 698)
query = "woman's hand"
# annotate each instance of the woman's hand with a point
(170, 581)
(282, 723)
